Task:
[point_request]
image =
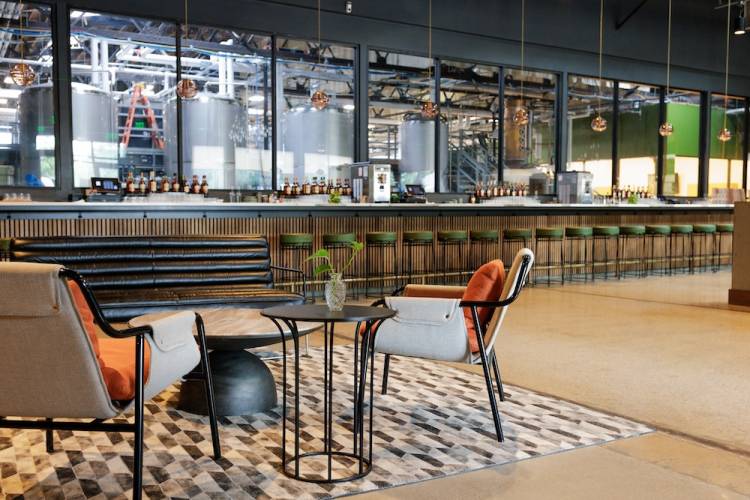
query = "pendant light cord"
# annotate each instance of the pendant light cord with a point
(320, 48)
(20, 29)
(601, 49)
(429, 43)
(726, 66)
(669, 44)
(523, 43)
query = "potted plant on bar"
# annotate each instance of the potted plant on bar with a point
(335, 289)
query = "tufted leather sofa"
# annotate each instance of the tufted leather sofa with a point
(131, 276)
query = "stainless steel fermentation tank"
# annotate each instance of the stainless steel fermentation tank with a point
(316, 143)
(417, 148)
(213, 129)
(95, 135)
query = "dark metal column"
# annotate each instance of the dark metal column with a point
(561, 129)
(662, 144)
(704, 150)
(746, 146)
(501, 125)
(361, 104)
(275, 120)
(436, 98)
(180, 153)
(615, 119)
(61, 75)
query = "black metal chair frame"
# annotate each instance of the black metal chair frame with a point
(98, 425)
(489, 360)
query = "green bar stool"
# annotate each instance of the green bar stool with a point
(483, 246)
(658, 233)
(632, 242)
(457, 239)
(514, 239)
(295, 248)
(339, 246)
(604, 236)
(4, 249)
(418, 241)
(703, 234)
(724, 231)
(578, 238)
(379, 245)
(548, 236)
(681, 234)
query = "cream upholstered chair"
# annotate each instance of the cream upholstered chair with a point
(52, 368)
(432, 327)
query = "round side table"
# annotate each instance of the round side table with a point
(287, 318)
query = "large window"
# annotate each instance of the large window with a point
(226, 129)
(470, 107)
(529, 149)
(682, 161)
(397, 133)
(637, 136)
(314, 143)
(726, 161)
(27, 112)
(124, 73)
(590, 151)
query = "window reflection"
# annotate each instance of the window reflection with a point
(529, 150)
(681, 164)
(637, 136)
(27, 114)
(590, 151)
(726, 163)
(397, 133)
(312, 143)
(123, 71)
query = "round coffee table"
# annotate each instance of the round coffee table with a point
(242, 382)
(290, 318)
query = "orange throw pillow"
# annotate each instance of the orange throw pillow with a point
(116, 357)
(485, 285)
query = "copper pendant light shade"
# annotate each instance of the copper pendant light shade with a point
(187, 88)
(599, 124)
(666, 129)
(319, 100)
(429, 109)
(521, 117)
(725, 135)
(22, 74)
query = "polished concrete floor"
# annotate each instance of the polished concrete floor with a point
(665, 351)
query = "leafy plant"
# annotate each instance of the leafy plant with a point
(326, 266)
(334, 198)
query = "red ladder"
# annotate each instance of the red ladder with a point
(136, 97)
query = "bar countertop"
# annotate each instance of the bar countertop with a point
(69, 210)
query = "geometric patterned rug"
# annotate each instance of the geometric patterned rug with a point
(434, 422)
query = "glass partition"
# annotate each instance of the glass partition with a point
(27, 112)
(590, 151)
(637, 136)
(469, 105)
(682, 148)
(397, 133)
(226, 129)
(314, 143)
(123, 76)
(726, 160)
(529, 150)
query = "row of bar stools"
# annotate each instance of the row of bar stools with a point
(295, 248)
(604, 236)
(655, 234)
(549, 236)
(702, 235)
(632, 243)
(722, 232)
(414, 241)
(680, 236)
(458, 240)
(483, 246)
(379, 244)
(578, 251)
(339, 246)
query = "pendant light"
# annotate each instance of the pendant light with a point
(725, 135)
(666, 129)
(21, 73)
(740, 22)
(186, 87)
(599, 123)
(319, 99)
(521, 115)
(429, 108)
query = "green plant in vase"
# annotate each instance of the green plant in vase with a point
(335, 289)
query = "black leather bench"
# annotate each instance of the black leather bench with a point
(131, 276)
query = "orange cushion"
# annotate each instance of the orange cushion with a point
(486, 285)
(116, 357)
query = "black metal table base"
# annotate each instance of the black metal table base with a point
(366, 469)
(242, 382)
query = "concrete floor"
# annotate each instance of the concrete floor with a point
(665, 351)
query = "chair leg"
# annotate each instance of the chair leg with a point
(138, 444)
(209, 386)
(498, 379)
(386, 365)
(49, 438)
(487, 376)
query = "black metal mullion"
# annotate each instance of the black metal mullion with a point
(180, 157)
(361, 103)
(561, 129)
(615, 133)
(275, 119)
(704, 150)
(745, 145)
(436, 79)
(501, 125)
(661, 151)
(62, 94)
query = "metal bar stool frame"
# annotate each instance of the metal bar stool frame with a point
(514, 235)
(702, 234)
(453, 238)
(409, 243)
(723, 230)
(578, 235)
(378, 241)
(605, 234)
(486, 243)
(550, 235)
(296, 244)
(682, 233)
(335, 243)
(626, 236)
(654, 232)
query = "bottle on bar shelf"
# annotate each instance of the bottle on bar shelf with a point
(175, 183)
(195, 186)
(314, 188)
(166, 186)
(287, 188)
(295, 187)
(306, 189)
(204, 186)
(152, 182)
(329, 189)
(185, 185)
(142, 184)
(130, 183)
(347, 188)
(338, 188)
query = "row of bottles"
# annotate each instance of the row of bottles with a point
(484, 191)
(164, 184)
(316, 186)
(624, 193)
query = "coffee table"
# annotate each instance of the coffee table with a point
(242, 382)
(289, 318)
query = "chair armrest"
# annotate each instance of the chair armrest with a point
(295, 271)
(168, 331)
(435, 291)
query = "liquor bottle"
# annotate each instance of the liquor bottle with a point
(315, 189)
(142, 184)
(152, 186)
(306, 187)
(322, 186)
(338, 188)
(130, 184)
(195, 186)
(347, 188)
(175, 183)
(295, 187)
(287, 189)
(204, 186)
(330, 188)
(185, 185)
(165, 184)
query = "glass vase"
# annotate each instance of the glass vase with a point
(335, 292)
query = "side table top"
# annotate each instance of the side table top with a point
(321, 313)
